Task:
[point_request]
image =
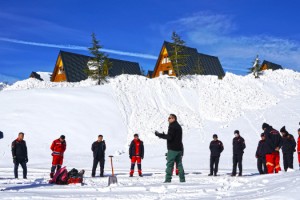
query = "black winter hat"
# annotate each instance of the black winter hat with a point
(215, 136)
(62, 137)
(262, 134)
(283, 130)
(236, 132)
(265, 125)
(299, 129)
(136, 135)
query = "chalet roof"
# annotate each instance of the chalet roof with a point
(209, 64)
(74, 65)
(36, 76)
(271, 65)
(150, 73)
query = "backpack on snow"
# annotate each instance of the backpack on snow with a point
(75, 177)
(60, 177)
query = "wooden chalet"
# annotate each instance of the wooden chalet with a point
(208, 65)
(70, 67)
(269, 65)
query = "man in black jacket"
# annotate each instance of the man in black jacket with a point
(98, 148)
(136, 154)
(216, 147)
(175, 148)
(19, 154)
(261, 155)
(288, 149)
(239, 145)
(272, 147)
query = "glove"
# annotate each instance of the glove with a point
(157, 133)
(26, 160)
(14, 160)
(130, 157)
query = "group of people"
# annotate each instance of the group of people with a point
(267, 154)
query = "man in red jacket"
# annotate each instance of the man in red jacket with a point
(58, 148)
(298, 147)
(136, 154)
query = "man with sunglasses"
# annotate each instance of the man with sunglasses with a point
(175, 148)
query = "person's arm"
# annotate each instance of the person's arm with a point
(26, 152)
(210, 146)
(104, 147)
(168, 136)
(130, 149)
(13, 149)
(64, 147)
(142, 150)
(256, 153)
(222, 148)
(52, 146)
(243, 144)
(93, 147)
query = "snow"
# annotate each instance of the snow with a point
(45, 75)
(134, 104)
(2, 85)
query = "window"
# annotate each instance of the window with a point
(61, 70)
(170, 72)
(165, 60)
(166, 72)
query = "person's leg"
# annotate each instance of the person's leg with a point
(102, 163)
(95, 164)
(16, 169)
(270, 163)
(178, 159)
(170, 165)
(216, 165)
(139, 164)
(299, 159)
(263, 160)
(133, 160)
(24, 167)
(211, 165)
(277, 162)
(240, 162)
(291, 160)
(234, 164)
(259, 165)
(285, 161)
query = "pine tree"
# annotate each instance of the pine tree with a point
(178, 58)
(256, 68)
(98, 66)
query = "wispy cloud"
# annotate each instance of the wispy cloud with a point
(76, 47)
(216, 34)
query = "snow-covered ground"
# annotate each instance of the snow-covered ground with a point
(135, 104)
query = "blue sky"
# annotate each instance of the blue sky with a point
(33, 32)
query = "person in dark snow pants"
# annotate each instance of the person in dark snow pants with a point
(216, 147)
(98, 149)
(288, 149)
(239, 145)
(298, 147)
(19, 154)
(261, 155)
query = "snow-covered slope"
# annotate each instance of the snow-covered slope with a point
(2, 86)
(135, 104)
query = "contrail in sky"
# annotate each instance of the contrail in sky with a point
(76, 47)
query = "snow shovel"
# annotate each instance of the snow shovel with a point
(112, 179)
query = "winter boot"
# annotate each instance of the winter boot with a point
(141, 175)
(210, 174)
(51, 175)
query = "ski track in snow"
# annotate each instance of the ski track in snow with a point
(198, 186)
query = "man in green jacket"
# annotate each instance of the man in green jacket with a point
(175, 148)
